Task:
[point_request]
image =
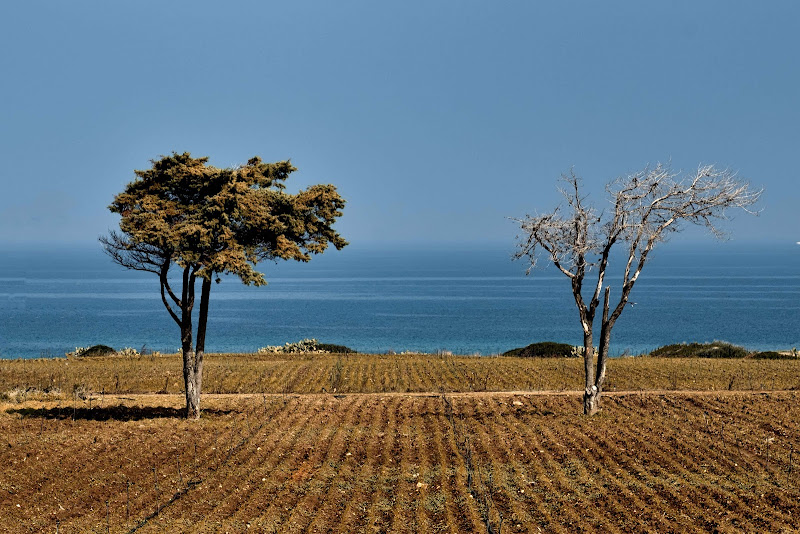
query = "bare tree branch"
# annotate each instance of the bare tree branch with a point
(164, 279)
(166, 304)
(143, 257)
(134, 255)
(648, 205)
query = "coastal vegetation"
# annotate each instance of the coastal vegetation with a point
(716, 349)
(306, 346)
(719, 349)
(94, 350)
(546, 349)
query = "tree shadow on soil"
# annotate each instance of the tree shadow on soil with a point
(110, 413)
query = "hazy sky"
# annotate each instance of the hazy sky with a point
(436, 120)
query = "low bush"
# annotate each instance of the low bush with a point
(335, 349)
(303, 346)
(546, 349)
(94, 350)
(306, 346)
(772, 355)
(717, 349)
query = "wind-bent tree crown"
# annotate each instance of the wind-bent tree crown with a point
(209, 221)
(221, 220)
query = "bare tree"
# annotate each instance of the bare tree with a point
(646, 207)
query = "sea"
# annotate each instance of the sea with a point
(379, 298)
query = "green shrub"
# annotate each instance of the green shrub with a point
(545, 349)
(335, 349)
(772, 355)
(306, 346)
(95, 350)
(717, 349)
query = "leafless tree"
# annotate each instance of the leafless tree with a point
(646, 207)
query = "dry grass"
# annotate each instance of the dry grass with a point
(384, 374)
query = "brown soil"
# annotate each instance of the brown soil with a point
(649, 462)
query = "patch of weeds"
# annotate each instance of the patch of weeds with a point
(81, 391)
(385, 505)
(435, 502)
(20, 395)
(335, 376)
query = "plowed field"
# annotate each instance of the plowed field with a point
(453, 462)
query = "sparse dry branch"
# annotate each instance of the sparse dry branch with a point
(647, 206)
(138, 256)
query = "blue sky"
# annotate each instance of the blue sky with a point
(436, 120)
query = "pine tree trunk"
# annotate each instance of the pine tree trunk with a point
(192, 384)
(196, 367)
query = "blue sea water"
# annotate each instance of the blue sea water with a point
(464, 299)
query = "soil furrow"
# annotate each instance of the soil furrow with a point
(453, 448)
(324, 481)
(457, 439)
(221, 483)
(492, 438)
(387, 470)
(291, 478)
(308, 480)
(404, 516)
(366, 452)
(695, 486)
(544, 486)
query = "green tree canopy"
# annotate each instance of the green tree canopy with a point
(208, 221)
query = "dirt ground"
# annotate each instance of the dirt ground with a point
(467, 462)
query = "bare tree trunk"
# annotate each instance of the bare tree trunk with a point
(591, 400)
(589, 393)
(602, 359)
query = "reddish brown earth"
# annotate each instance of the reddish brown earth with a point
(649, 462)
